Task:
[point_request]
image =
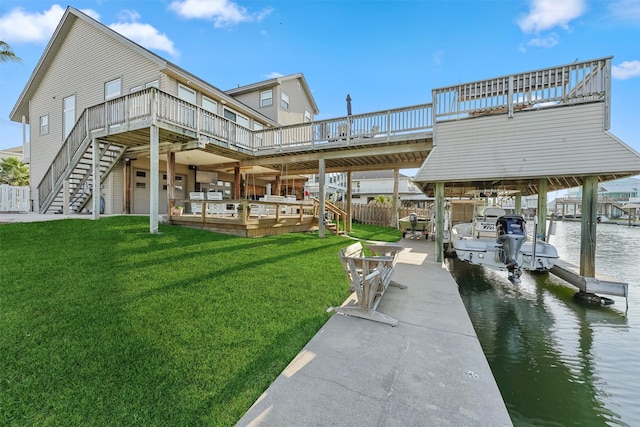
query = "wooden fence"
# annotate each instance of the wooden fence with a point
(380, 215)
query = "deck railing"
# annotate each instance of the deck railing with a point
(569, 84)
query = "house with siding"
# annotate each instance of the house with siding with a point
(87, 64)
(149, 133)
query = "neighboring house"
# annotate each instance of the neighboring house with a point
(12, 152)
(280, 99)
(87, 63)
(365, 186)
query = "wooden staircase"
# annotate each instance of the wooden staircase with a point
(335, 218)
(74, 164)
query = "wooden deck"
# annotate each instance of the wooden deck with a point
(263, 219)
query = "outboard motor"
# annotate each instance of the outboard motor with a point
(511, 234)
(413, 220)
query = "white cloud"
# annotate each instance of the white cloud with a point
(128, 15)
(273, 75)
(145, 35)
(547, 14)
(626, 70)
(21, 26)
(626, 10)
(221, 12)
(547, 42)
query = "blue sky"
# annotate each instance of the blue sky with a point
(385, 54)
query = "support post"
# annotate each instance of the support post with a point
(154, 179)
(171, 181)
(394, 202)
(348, 203)
(321, 197)
(236, 182)
(66, 189)
(588, 228)
(518, 204)
(95, 197)
(440, 222)
(542, 208)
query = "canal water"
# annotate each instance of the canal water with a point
(558, 361)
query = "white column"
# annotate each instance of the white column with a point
(394, 202)
(96, 179)
(154, 167)
(321, 198)
(440, 222)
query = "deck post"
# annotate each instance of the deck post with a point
(542, 208)
(95, 198)
(440, 222)
(154, 179)
(394, 202)
(65, 196)
(588, 228)
(236, 182)
(171, 178)
(348, 203)
(321, 197)
(518, 204)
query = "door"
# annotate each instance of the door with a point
(142, 184)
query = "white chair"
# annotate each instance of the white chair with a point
(374, 131)
(196, 208)
(215, 208)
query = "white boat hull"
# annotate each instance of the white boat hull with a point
(486, 251)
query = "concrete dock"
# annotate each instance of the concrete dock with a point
(427, 371)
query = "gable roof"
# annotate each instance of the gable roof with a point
(69, 17)
(265, 84)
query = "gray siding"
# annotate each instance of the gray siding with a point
(560, 141)
(252, 99)
(298, 101)
(86, 60)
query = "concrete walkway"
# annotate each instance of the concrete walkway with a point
(427, 371)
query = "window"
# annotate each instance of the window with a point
(307, 116)
(266, 98)
(154, 83)
(187, 114)
(44, 125)
(68, 115)
(112, 89)
(284, 102)
(186, 94)
(237, 118)
(136, 89)
(209, 105)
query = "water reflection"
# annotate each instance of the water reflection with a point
(543, 348)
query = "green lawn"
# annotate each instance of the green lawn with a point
(102, 323)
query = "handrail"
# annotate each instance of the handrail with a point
(579, 82)
(337, 213)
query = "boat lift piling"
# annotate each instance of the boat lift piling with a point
(584, 277)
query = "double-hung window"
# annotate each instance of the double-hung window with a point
(266, 98)
(284, 101)
(44, 124)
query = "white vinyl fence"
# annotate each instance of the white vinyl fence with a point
(14, 199)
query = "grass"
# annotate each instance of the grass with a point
(103, 323)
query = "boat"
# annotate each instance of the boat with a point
(415, 226)
(499, 240)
